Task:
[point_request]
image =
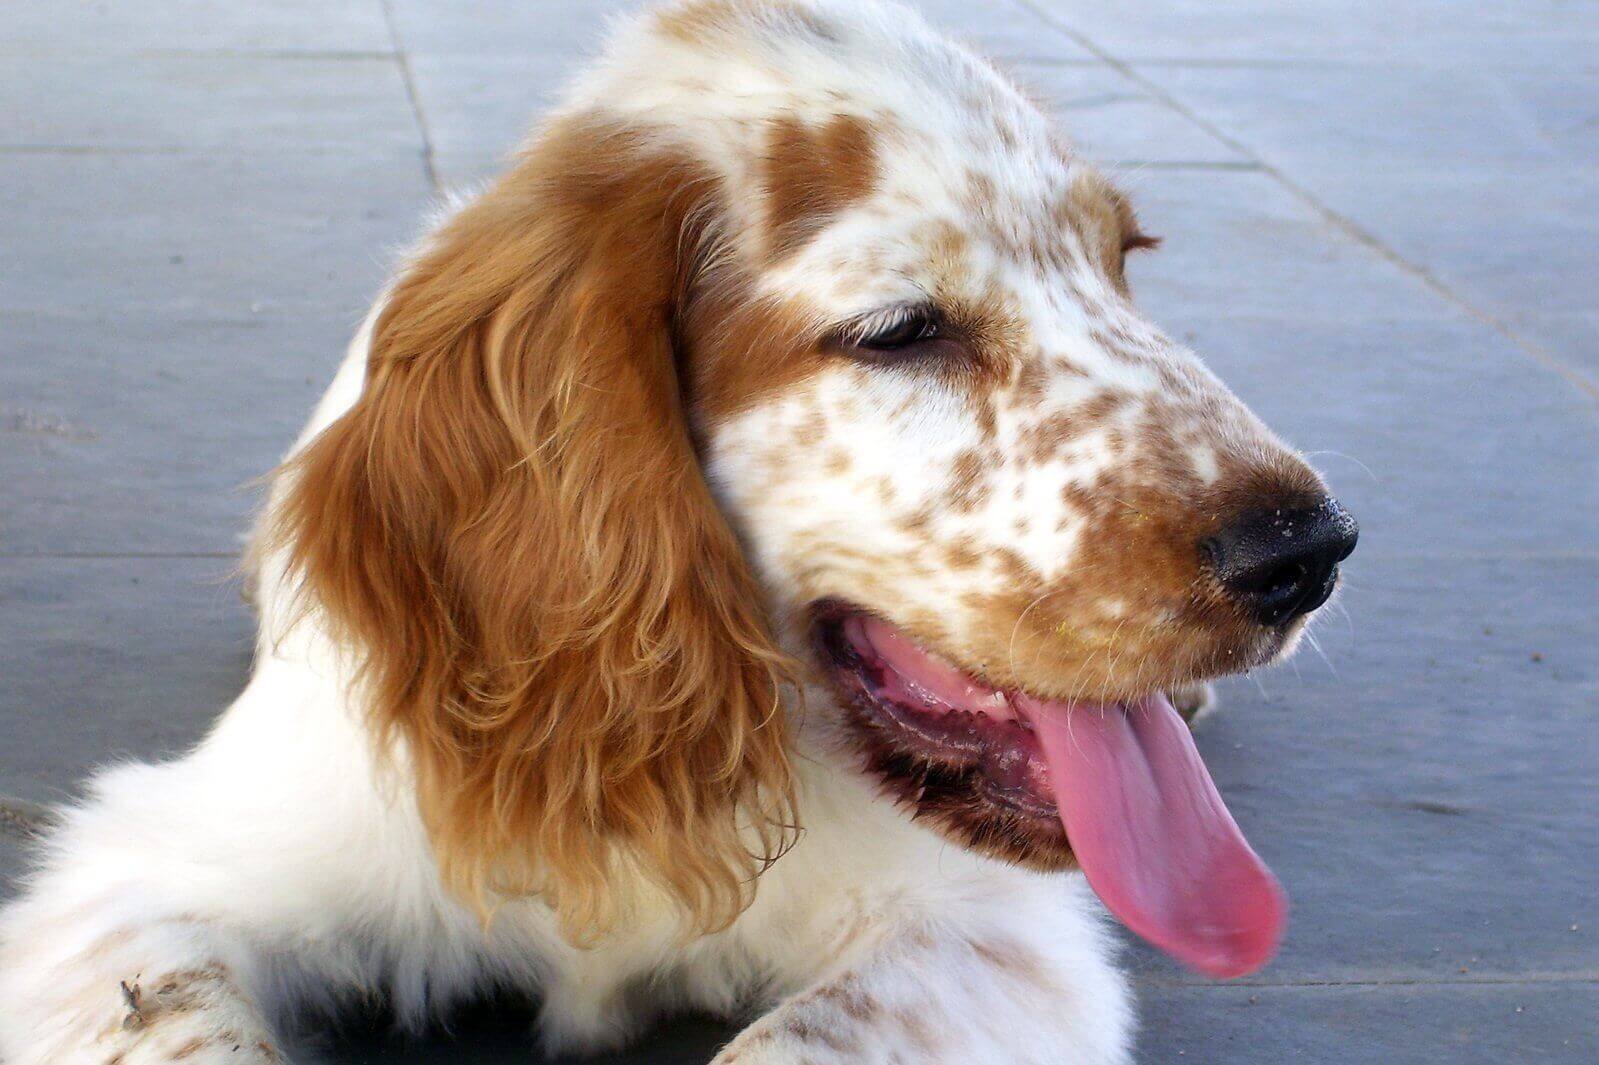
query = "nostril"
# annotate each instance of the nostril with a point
(1282, 563)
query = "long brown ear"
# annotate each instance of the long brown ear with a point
(512, 528)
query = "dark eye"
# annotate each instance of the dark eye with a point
(902, 331)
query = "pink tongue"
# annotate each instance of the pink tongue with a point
(1156, 842)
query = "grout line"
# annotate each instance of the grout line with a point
(1345, 225)
(1519, 980)
(1245, 165)
(409, 78)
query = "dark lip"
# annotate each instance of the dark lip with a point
(964, 742)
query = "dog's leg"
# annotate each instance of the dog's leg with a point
(184, 908)
(999, 990)
(95, 969)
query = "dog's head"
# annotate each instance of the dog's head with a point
(794, 321)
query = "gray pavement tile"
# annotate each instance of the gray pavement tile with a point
(1111, 118)
(204, 234)
(1440, 32)
(1485, 178)
(1395, 117)
(1439, 435)
(106, 659)
(245, 104)
(302, 26)
(1519, 239)
(1001, 29)
(1379, 1025)
(491, 28)
(511, 28)
(142, 434)
(485, 104)
(1424, 791)
(1571, 338)
(463, 172)
(1238, 243)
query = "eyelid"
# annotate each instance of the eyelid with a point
(884, 319)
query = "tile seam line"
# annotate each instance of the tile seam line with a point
(402, 60)
(1348, 227)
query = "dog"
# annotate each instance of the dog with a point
(744, 563)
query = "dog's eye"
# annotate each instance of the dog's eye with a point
(900, 332)
(897, 336)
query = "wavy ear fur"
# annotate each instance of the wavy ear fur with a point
(511, 527)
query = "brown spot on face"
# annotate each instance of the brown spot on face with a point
(1031, 385)
(811, 174)
(962, 554)
(968, 482)
(885, 490)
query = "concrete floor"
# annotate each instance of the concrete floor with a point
(1382, 226)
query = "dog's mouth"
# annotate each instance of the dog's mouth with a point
(1119, 787)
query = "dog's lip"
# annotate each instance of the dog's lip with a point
(830, 613)
(972, 726)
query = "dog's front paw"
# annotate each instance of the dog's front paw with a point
(1194, 701)
(192, 1017)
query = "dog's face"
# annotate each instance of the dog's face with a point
(954, 447)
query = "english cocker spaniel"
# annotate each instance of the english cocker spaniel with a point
(766, 483)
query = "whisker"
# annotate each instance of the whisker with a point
(1343, 455)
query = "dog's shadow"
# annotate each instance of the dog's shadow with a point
(492, 1033)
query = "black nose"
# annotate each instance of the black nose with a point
(1281, 564)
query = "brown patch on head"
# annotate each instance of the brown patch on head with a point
(810, 174)
(708, 19)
